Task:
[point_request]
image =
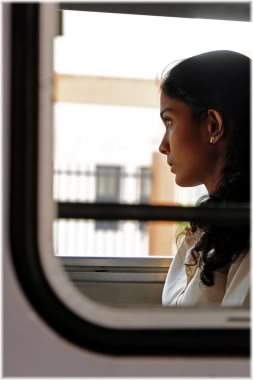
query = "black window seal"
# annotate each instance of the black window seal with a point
(23, 228)
(232, 11)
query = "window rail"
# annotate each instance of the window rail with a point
(226, 214)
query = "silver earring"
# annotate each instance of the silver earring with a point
(212, 140)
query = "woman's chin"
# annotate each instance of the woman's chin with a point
(184, 182)
(181, 184)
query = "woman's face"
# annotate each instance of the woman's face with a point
(185, 143)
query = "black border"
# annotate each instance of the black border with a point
(237, 11)
(24, 232)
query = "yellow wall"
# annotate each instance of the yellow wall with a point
(162, 234)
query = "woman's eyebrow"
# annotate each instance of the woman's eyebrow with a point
(164, 110)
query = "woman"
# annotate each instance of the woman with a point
(205, 108)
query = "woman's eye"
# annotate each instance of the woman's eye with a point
(168, 123)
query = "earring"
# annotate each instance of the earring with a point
(212, 139)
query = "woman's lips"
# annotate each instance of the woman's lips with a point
(171, 166)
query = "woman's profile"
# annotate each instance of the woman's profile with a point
(205, 108)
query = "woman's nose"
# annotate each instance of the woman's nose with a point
(163, 148)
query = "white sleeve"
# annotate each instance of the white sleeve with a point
(176, 279)
(238, 282)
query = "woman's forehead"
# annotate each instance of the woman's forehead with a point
(166, 101)
(172, 105)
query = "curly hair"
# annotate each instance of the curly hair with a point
(219, 80)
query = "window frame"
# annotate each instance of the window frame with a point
(23, 226)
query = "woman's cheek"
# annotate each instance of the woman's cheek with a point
(173, 141)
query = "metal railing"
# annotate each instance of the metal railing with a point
(75, 235)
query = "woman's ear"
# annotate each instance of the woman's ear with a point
(215, 126)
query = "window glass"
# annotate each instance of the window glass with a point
(107, 126)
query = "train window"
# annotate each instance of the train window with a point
(106, 116)
(74, 201)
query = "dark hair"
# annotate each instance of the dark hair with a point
(219, 80)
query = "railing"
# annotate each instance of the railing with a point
(75, 235)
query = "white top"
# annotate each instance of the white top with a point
(183, 286)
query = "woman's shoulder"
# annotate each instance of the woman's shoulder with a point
(238, 282)
(191, 239)
(184, 250)
(178, 276)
